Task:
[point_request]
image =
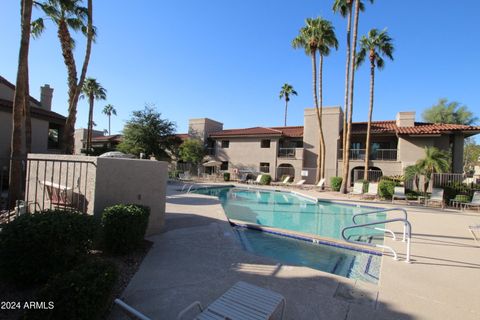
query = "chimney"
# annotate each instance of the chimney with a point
(405, 119)
(46, 95)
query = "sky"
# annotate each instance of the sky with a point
(227, 60)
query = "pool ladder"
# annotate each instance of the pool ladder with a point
(407, 230)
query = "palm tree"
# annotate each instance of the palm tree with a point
(93, 91)
(435, 161)
(346, 153)
(109, 110)
(286, 92)
(21, 105)
(69, 15)
(344, 7)
(376, 44)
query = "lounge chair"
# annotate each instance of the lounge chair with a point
(258, 180)
(242, 301)
(372, 191)
(285, 181)
(474, 203)
(399, 193)
(300, 183)
(436, 197)
(474, 228)
(321, 183)
(357, 189)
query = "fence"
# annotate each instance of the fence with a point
(372, 175)
(377, 154)
(45, 184)
(285, 171)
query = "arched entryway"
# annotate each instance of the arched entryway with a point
(286, 169)
(357, 173)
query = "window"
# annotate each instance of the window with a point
(225, 144)
(265, 167)
(53, 136)
(265, 143)
(224, 165)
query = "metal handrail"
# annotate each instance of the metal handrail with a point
(384, 210)
(408, 238)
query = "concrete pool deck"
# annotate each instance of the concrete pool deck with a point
(197, 258)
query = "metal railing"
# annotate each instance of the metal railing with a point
(407, 230)
(372, 175)
(377, 154)
(286, 152)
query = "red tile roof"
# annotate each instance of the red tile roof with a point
(420, 128)
(261, 131)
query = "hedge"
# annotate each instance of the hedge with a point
(386, 188)
(226, 176)
(266, 179)
(82, 293)
(35, 246)
(124, 227)
(336, 183)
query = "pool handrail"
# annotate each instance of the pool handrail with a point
(407, 225)
(405, 214)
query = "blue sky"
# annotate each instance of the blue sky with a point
(227, 60)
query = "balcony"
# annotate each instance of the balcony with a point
(210, 151)
(378, 154)
(288, 153)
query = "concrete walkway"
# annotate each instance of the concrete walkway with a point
(199, 258)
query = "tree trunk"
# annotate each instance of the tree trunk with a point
(286, 109)
(109, 132)
(347, 76)
(90, 123)
(319, 120)
(370, 112)
(322, 138)
(21, 97)
(68, 137)
(346, 163)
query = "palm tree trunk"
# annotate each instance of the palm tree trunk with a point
(347, 76)
(68, 137)
(21, 97)
(319, 119)
(370, 112)
(322, 138)
(286, 109)
(346, 163)
(110, 132)
(90, 123)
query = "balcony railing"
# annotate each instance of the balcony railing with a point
(378, 154)
(286, 152)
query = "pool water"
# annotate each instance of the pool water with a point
(292, 212)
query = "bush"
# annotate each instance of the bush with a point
(226, 176)
(365, 184)
(82, 293)
(34, 247)
(386, 188)
(336, 183)
(124, 227)
(266, 179)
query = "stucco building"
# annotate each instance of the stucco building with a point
(293, 150)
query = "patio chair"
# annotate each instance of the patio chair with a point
(321, 183)
(285, 181)
(372, 191)
(436, 197)
(474, 228)
(58, 195)
(357, 189)
(242, 301)
(474, 203)
(399, 193)
(300, 183)
(258, 180)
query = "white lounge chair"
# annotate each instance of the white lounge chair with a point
(242, 301)
(436, 197)
(474, 228)
(300, 183)
(321, 183)
(372, 191)
(285, 181)
(357, 188)
(399, 193)
(258, 180)
(474, 203)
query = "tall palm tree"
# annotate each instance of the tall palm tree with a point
(109, 110)
(93, 91)
(344, 7)
(435, 161)
(285, 93)
(346, 158)
(376, 44)
(21, 105)
(69, 15)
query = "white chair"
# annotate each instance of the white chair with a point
(321, 183)
(474, 228)
(243, 301)
(474, 203)
(436, 197)
(258, 180)
(372, 191)
(399, 193)
(357, 188)
(300, 183)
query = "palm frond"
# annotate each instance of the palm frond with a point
(38, 26)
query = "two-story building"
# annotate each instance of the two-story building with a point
(277, 151)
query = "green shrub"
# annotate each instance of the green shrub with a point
(336, 183)
(82, 293)
(226, 176)
(124, 227)
(386, 188)
(34, 247)
(266, 179)
(365, 184)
